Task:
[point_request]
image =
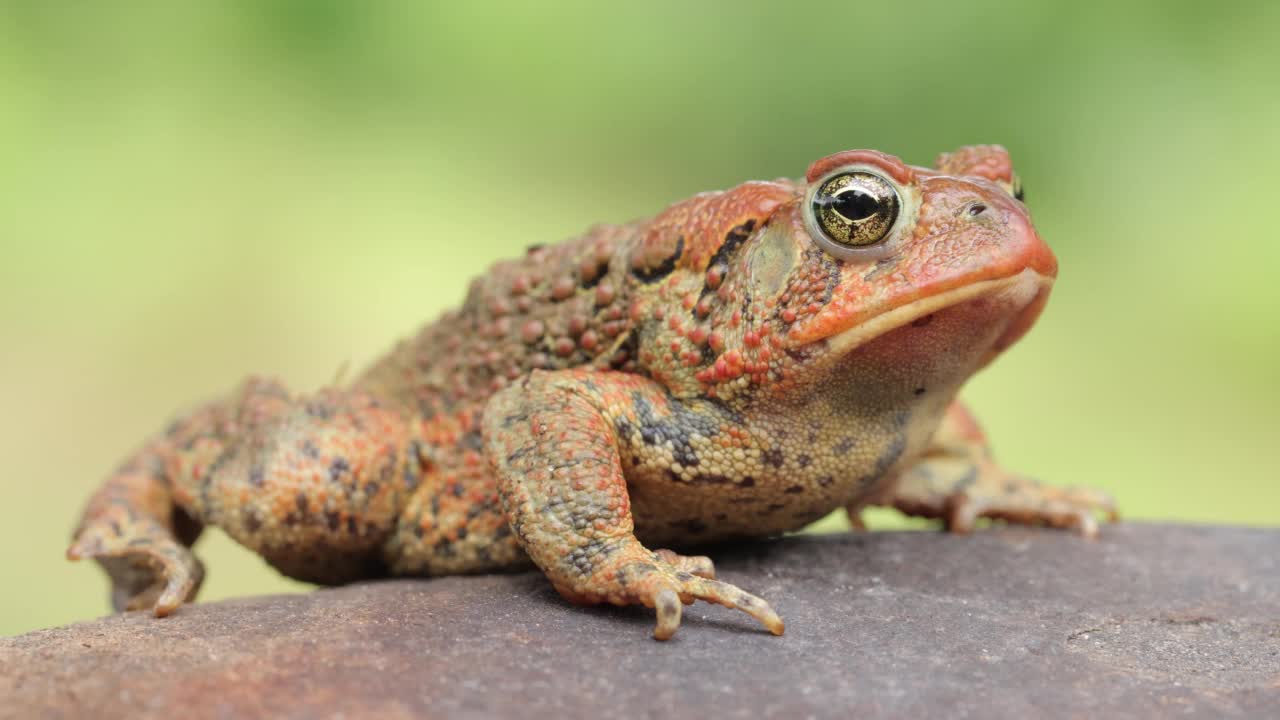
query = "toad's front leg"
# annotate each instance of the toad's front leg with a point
(957, 480)
(552, 442)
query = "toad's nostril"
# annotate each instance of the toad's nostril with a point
(977, 209)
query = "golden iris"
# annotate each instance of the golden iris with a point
(856, 208)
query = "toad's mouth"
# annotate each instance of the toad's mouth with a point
(1014, 301)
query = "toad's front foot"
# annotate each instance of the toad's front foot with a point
(664, 581)
(957, 481)
(989, 491)
(149, 568)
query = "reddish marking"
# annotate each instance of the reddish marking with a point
(891, 165)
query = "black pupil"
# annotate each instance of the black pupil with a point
(856, 204)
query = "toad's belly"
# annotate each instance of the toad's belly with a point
(776, 490)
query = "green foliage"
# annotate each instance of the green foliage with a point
(193, 191)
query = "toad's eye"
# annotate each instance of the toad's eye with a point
(854, 209)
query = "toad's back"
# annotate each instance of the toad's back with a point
(558, 306)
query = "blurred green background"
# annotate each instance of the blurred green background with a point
(193, 191)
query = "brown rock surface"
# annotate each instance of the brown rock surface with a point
(1149, 621)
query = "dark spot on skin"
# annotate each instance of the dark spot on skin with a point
(256, 476)
(696, 526)
(803, 460)
(921, 322)
(462, 533)
(774, 457)
(510, 420)
(472, 440)
(747, 482)
(710, 480)
(585, 558)
(318, 410)
(892, 451)
(653, 274)
(801, 354)
(593, 278)
(709, 355)
(417, 530)
(825, 481)
(218, 462)
(334, 520)
(729, 247)
(301, 501)
(427, 408)
(352, 528)
(833, 273)
(668, 605)
(919, 391)
(732, 240)
(677, 427)
(844, 446)
(456, 490)
(968, 479)
(411, 474)
(683, 576)
(371, 489)
(1011, 488)
(252, 522)
(338, 468)
(115, 528)
(794, 489)
(721, 517)
(310, 450)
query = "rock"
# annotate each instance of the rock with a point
(1148, 621)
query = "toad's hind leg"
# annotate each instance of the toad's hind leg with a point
(136, 527)
(956, 480)
(140, 539)
(553, 444)
(310, 483)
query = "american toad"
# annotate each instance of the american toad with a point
(737, 366)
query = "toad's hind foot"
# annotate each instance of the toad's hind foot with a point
(665, 581)
(148, 567)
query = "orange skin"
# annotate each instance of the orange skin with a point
(724, 370)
